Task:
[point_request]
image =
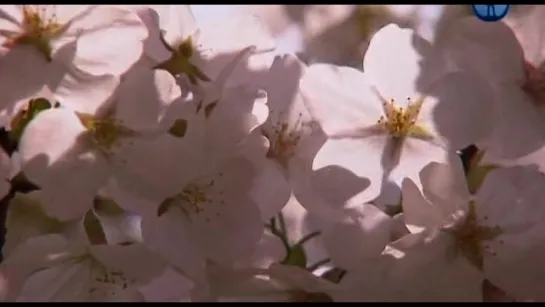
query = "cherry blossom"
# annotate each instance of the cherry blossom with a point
(289, 137)
(57, 46)
(201, 50)
(383, 124)
(211, 217)
(497, 230)
(50, 268)
(492, 50)
(60, 142)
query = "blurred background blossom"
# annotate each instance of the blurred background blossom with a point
(338, 34)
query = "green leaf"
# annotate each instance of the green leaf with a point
(24, 117)
(296, 257)
(476, 175)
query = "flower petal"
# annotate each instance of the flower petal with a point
(340, 98)
(462, 113)
(53, 149)
(106, 31)
(168, 236)
(134, 260)
(428, 271)
(229, 225)
(84, 93)
(392, 61)
(360, 237)
(343, 174)
(153, 91)
(489, 49)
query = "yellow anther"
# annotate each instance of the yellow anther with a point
(470, 237)
(106, 132)
(400, 122)
(38, 30)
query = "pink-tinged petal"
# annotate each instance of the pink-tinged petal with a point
(68, 14)
(393, 61)
(218, 45)
(236, 114)
(171, 286)
(84, 93)
(168, 236)
(489, 49)
(444, 196)
(526, 21)
(445, 182)
(163, 178)
(535, 158)
(370, 282)
(518, 128)
(292, 132)
(267, 251)
(128, 201)
(271, 190)
(53, 149)
(34, 253)
(10, 20)
(522, 276)
(135, 260)
(361, 236)
(108, 30)
(340, 99)
(229, 225)
(282, 87)
(414, 155)
(23, 75)
(248, 28)
(59, 283)
(509, 198)
(430, 270)
(342, 177)
(155, 50)
(153, 92)
(463, 110)
(176, 21)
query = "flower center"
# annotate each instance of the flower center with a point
(180, 62)
(107, 282)
(105, 133)
(40, 26)
(283, 140)
(470, 237)
(535, 83)
(194, 199)
(402, 122)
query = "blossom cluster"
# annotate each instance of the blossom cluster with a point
(147, 156)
